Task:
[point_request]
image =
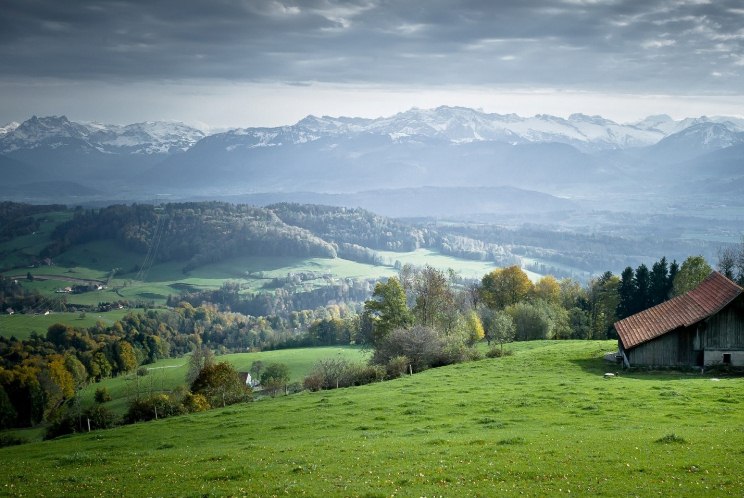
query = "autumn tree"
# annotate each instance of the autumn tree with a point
(473, 327)
(505, 287)
(548, 289)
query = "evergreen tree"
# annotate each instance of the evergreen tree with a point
(627, 292)
(659, 282)
(673, 270)
(642, 281)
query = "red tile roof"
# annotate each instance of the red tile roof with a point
(705, 300)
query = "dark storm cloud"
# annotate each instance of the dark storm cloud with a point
(669, 46)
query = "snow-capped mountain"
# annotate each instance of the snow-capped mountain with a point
(57, 131)
(442, 147)
(458, 125)
(5, 129)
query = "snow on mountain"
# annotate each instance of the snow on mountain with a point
(459, 125)
(58, 131)
(5, 129)
(151, 137)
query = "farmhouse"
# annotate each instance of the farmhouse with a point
(700, 328)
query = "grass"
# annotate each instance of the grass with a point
(166, 375)
(21, 326)
(542, 422)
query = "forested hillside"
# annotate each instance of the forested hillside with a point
(196, 233)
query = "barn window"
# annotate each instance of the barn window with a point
(727, 358)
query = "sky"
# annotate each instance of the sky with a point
(236, 63)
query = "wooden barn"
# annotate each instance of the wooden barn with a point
(703, 327)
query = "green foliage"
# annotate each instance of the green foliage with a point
(220, 384)
(152, 407)
(387, 309)
(422, 346)
(495, 352)
(692, 272)
(498, 326)
(275, 377)
(102, 395)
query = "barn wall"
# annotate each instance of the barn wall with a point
(714, 357)
(725, 330)
(670, 350)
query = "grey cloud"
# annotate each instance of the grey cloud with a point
(608, 45)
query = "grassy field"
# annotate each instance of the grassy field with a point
(21, 326)
(543, 422)
(166, 375)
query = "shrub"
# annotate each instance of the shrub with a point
(496, 352)
(142, 371)
(102, 395)
(100, 417)
(313, 382)
(155, 406)
(11, 440)
(195, 403)
(396, 367)
(421, 345)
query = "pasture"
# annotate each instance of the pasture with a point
(21, 326)
(543, 422)
(166, 375)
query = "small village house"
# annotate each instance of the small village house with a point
(703, 327)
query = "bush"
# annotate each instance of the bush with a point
(100, 417)
(142, 371)
(11, 440)
(102, 395)
(313, 382)
(195, 403)
(396, 367)
(144, 409)
(497, 352)
(421, 345)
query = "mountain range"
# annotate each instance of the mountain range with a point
(449, 148)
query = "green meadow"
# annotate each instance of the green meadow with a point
(166, 375)
(542, 422)
(21, 326)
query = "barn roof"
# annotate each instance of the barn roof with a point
(705, 300)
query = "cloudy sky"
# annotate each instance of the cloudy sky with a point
(224, 63)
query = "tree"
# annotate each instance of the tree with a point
(275, 377)
(659, 284)
(641, 279)
(604, 299)
(474, 328)
(505, 287)
(499, 327)
(387, 309)
(126, 359)
(692, 272)
(548, 289)
(256, 368)
(530, 321)
(626, 293)
(422, 346)
(201, 356)
(221, 385)
(434, 299)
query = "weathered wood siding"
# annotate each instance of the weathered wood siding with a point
(670, 350)
(725, 329)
